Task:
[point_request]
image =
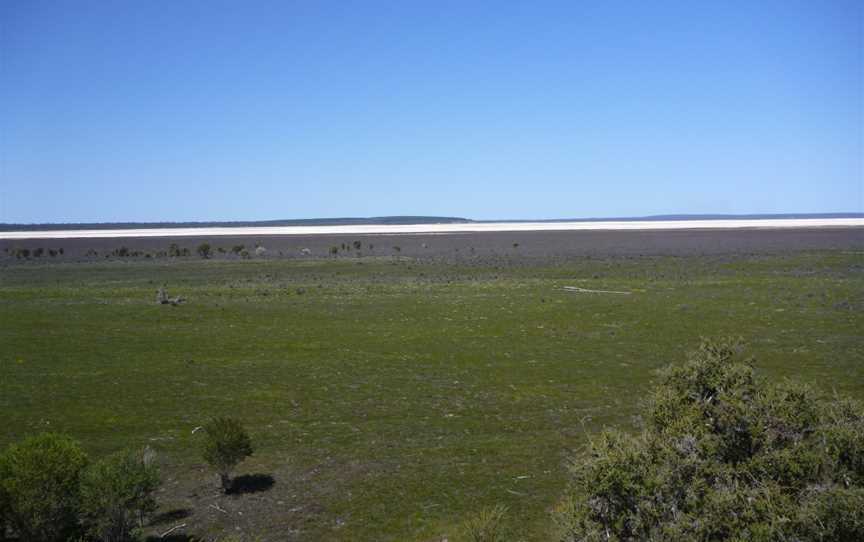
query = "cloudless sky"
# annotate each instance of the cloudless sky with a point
(179, 110)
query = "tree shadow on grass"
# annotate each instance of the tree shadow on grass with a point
(251, 483)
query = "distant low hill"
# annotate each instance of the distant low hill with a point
(379, 220)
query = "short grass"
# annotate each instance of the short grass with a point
(391, 400)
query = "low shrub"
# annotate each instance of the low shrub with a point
(226, 444)
(117, 495)
(204, 250)
(725, 455)
(40, 486)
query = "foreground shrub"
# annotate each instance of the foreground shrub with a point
(226, 444)
(117, 495)
(724, 455)
(40, 486)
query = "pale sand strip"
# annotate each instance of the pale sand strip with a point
(443, 228)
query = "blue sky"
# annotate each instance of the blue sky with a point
(161, 110)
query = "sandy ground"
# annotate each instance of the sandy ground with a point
(439, 228)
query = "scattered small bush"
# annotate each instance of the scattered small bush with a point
(226, 444)
(174, 250)
(724, 455)
(37, 253)
(237, 249)
(204, 250)
(40, 486)
(117, 495)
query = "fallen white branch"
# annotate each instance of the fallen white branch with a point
(216, 506)
(171, 530)
(578, 290)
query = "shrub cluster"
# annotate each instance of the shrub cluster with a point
(51, 492)
(724, 455)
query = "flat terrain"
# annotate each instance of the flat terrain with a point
(471, 248)
(43, 231)
(391, 394)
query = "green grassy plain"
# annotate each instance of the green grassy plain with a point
(390, 400)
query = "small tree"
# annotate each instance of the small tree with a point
(174, 250)
(226, 444)
(204, 250)
(117, 495)
(40, 486)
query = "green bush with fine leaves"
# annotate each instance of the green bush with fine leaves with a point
(40, 487)
(117, 495)
(724, 455)
(226, 444)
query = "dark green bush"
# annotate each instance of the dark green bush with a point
(117, 495)
(226, 444)
(725, 455)
(204, 250)
(40, 486)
